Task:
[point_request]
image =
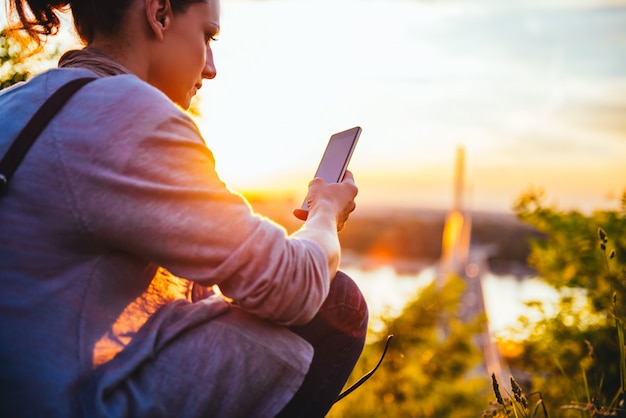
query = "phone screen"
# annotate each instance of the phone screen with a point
(336, 157)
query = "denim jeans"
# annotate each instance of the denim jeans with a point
(337, 334)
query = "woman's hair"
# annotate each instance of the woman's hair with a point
(39, 18)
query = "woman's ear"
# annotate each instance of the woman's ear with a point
(159, 15)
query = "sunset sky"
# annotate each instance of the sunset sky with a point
(534, 91)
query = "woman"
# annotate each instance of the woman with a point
(115, 227)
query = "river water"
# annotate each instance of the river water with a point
(387, 292)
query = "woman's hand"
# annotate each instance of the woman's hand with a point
(338, 198)
(329, 205)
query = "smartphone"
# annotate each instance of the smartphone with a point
(336, 157)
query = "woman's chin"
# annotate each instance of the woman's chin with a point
(184, 102)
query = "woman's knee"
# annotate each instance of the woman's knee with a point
(345, 307)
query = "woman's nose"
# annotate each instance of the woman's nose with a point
(209, 70)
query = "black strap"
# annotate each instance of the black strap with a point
(367, 375)
(18, 149)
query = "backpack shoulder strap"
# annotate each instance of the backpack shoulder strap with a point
(18, 149)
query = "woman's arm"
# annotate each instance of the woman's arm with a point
(145, 185)
(329, 208)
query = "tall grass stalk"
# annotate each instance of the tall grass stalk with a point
(620, 397)
(618, 402)
(514, 405)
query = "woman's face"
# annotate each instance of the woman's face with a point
(187, 58)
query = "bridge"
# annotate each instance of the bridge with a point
(460, 258)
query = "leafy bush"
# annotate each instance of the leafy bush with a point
(575, 359)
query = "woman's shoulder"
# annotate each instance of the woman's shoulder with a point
(121, 106)
(126, 92)
(126, 98)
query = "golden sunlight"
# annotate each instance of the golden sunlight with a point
(421, 79)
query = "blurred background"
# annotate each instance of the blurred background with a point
(534, 91)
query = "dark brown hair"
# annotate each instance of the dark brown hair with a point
(39, 18)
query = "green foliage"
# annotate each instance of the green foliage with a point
(572, 363)
(430, 368)
(11, 70)
(569, 256)
(20, 59)
(576, 357)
